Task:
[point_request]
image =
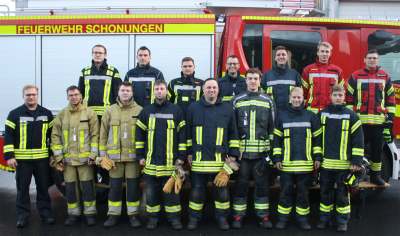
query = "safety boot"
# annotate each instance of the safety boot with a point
(111, 221)
(281, 224)
(135, 223)
(192, 224)
(176, 224)
(152, 224)
(22, 223)
(223, 224)
(48, 220)
(377, 180)
(72, 219)
(90, 220)
(304, 225)
(265, 223)
(237, 222)
(323, 224)
(342, 227)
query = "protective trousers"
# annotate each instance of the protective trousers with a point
(131, 171)
(84, 174)
(328, 180)
(198, 195)
(261, 190)
(172, 202)
(288, 181)
(23, 175)
(374, 134)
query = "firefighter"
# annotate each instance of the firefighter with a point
(212, 138)
(187, 89)
(232, 83)
(117, 139)
(343, 148)
(255, 114)
(75, 143)
(142, 78)
(27, 149)
(371, 95)
(98, 83)
(297, 144)
(160, 145)
(278, 81)
(317, 79)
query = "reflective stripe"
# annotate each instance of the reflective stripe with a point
(350, 89)
(252, 125)
(139, 144)
(252, 103)
(150, 136)
(106, 93)
(304, 83)
(303, 211)
(195, 206)
(10, 124)
(9, 148)
(357, 152)
(308, 144)
(89, 206)
(261, 206)
(335, 116)
(132, 206)
(343, 210)
(278, 132)
(22, 118)
(373, 81)
(132, 155)
(41, 118)
(277, 151)
(318, 75)
(98, 77)
(344, 139)
(355, 126)
(227, 98)
(162, 116)
(222, 205)
(286, 142)
(283, 210)
(94, 149)
(276, 82)
(310, 92)
(199, 138)
(187, 87)
(172, 209)
(375, 166)
(74, 208)
(181, 124)
(239, 207)
(153, 209)
(317, 132)
(56, 152)
(142, 79)
(358, 97)
(114, 156)
(296, 124)
(324, 208)
(170, 142)
(141, 125)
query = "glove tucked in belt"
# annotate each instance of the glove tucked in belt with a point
(221, 180)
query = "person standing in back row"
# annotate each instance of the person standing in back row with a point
(232, 83)
(143, 77)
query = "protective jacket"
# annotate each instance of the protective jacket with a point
(99, 87)
(27, 137)
(371, 95)
(75, 135)
(231, 86)
(118, 130)
(317, 80)
(161, 138)
(255, 116)
(277, 84)
(184, 91)
(342, 138)
(142, 79)
(297, 140)
(212, 134)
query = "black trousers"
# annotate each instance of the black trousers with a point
(374, 134)
(261, 190)
(23, 176)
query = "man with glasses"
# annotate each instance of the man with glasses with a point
(232, 83)
(27, 149)
(371, 95)
(98, 83)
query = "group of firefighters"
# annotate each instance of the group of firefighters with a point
(254, 125)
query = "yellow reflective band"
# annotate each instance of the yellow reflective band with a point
(141, 125)
(324, 208)
(375, 166)
(89, 204)
(358, 97)
(139, 144)
(252, 103)
(317, 150)
(10, 148)
(195, 206)
(252, 125)
(222, 205)
(284, 210)
(308, 144)
(278, 132)
(310, 92)
(183, 123)
(343, 210)
(277, 151)
(233, 143)
(115, 134)
(22, 134)
(357, 152)
(344, 139)
(172, 209)
(239, 207)
(261, 206)
(189, 142)
(182, 146)
(87, 86)
(153, 209)
(199, 138)
(107, 91)
(227, 98)
(170, 142)
(303, 211)
(10, 124)
(355, 126)
(132, 204)
(317, 132)
(350, 89)
(304, 83)
(150, 136)
(390, 91)
(286, 141)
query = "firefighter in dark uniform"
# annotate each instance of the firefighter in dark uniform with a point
(27, 149)
(98, 83)
(255, 116)
(371, 95)
(160, 145)
(187, 89)
(212, 135)
(232, 83)
(343, 148)
(142, 78)
(297, 144)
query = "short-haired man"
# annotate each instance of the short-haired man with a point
(212, 138)
(343, 149)
(186, 89)
(117, 140)
(160, 145)
(232, 83)
(371, 95)
(75, 143)
(98, 83)
(27, 149)
(143, 77)
(278, 81)
(255, 114)
(297, 144)
(318, 79)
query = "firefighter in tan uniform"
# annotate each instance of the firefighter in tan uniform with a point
(75, 143)
(117, 146)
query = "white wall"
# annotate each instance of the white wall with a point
(377, 9)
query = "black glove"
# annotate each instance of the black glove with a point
(387, 132)
(351, 182)
(264, 165)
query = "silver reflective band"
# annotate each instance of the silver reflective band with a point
(323, 75)
(381, 81)
(83, 159)
(58, 151)
(22, 118)
(86, 143)
(291, 82)
(189, 87)
(94, 149)
(67, 160)
(91, 208)
(41, 118)
(111, 208)
(114, 156)
(142, 79)
(296, 124)
(132, 155)
(98, 77)
(162, 116)
(74, 210)
(133, 208)
(335, 116)
(102, 153)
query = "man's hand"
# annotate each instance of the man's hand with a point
(142, 162)
(278, 165)
(355, 168)
(233, 158)
(51, 159)
(90, 161)
(317, 164)
(389, 121)
(12, 163)
(61, 163)
(180, 162)
(190, 160)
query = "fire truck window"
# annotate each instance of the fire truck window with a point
(302, 47)
(252, 45)
(389, 54)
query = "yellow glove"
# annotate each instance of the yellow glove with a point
(169, 185)
(221, 180)
(181, 178)
(107, 164)
(56, 166)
